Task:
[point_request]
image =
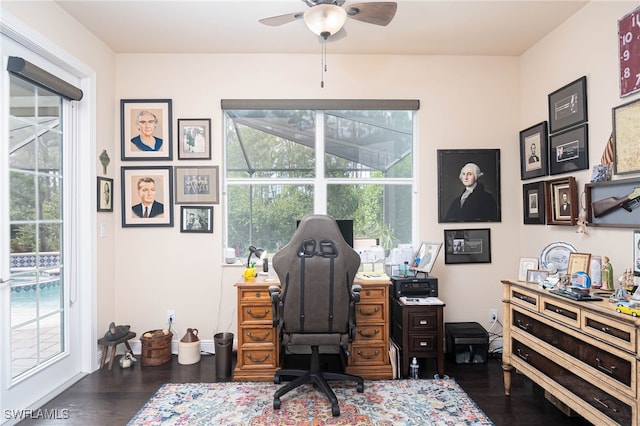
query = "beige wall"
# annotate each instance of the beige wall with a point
(466, 102)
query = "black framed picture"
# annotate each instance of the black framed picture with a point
(196, 219)
(467, 245)
(146, 129)
(533, 203)
(469, 185)
(104, 192)
(147, 197)
(569, 150)
(562, 201)
(568, 105)
(533, 151)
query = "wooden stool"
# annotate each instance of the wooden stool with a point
(106, 343)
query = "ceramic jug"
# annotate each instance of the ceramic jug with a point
(190, 336)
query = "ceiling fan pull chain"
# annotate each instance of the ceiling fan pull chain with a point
(323, 66)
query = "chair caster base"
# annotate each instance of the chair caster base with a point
(335, 410)
(360, 387)
(276, 403)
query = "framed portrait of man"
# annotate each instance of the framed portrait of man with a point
(147, 198)
(469, 185)
(145, 129)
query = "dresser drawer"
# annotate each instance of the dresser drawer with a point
(621, 369)
(375, 354)
(248, 294)
(525, 298)
(376, 294)
(256, 314)
(257, 357)
(257, 335)
(597, 398)
(370, 312)
(422, 321)
(369, 332)
(423, 343)
(615, 332)
(563, 312)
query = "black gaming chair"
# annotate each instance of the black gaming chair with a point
(316, 302)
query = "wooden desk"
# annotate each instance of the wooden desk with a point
(259, 348)
(585, 355)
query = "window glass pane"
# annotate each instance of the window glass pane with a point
(49, 143)
(22, 196)
(368, 143)
(270, 144)
(265, 215)
(382, 212)
(50, 197)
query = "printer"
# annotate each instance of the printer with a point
(414, 286)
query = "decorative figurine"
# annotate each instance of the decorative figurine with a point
(607, 275)
(104, 160)
(582, 224)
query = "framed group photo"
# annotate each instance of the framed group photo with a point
(104, 191)
(569, 150)
(196, 219)
(562, 201)
(568, 105)
(147, 198)
(194, 139)
(533, 151)
(626, 128)
(459, 169)
(467, 246)
(146, 129)
(197, 185)
(533, 203)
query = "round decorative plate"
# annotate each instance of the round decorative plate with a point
(557, 254)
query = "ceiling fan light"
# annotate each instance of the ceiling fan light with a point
(325, 18)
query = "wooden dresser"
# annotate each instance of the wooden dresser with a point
(583, 353)
(258, 346)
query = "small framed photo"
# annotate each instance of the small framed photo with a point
(526, 264)
(569, 150)
(568, 105)
(536, 276)
(194, 139)
(579, 262)
(196, 219)
(104, 192)
(636, 253)
(145, 129)
(533, 151)
(595, 271)
(626, 128)
(426, 256)
(147, 199)
(476, 169)
(197, 185)
(467, 246)
(562, 201)
(533, 203)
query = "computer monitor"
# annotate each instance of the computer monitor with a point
(346, 229)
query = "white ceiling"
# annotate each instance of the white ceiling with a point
(420, 27)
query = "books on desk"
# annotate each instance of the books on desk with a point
(420, 300)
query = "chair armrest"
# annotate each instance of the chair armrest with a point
(355, 298)
(274, 290)
(355, 292)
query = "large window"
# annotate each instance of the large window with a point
(349, 159)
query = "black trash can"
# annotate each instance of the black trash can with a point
(224, 354)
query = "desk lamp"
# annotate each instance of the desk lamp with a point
(253, 250)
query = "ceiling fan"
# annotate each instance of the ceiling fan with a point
(326, 17)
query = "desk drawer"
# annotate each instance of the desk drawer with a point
(257, 357)
(369, 333)
(257, 335)
(371, 354)
(423, 343)
(369, 312)
(373, 294)
(423, 321)
(256, 314)
(254, 294)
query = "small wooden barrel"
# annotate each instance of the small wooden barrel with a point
(155, 350)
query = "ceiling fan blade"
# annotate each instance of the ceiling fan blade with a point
(373, 13)
(275, 21)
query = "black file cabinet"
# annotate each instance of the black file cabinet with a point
(418, 331)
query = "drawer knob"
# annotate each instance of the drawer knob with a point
(258, 361)
(423, 343)
(370, 356)
(369, 335)
(599, 401)
(424, 322)
(257, 338)
(610, 370)
(258, 316)
(523, 326)
(369, 313)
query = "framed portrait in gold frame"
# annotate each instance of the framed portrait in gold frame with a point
(579, 262)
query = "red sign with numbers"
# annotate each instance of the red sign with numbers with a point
(629, 42)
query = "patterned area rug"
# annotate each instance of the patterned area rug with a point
(383, 403)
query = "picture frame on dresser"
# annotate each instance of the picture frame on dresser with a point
(569, 150)
(533, 151)
(467, 246)
(536, 276)
(526, 263)
(561, 201)
(579, 262)
(533, 203)
(626, 127)
(568, 105)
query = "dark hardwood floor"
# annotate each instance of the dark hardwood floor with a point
(114, 397)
